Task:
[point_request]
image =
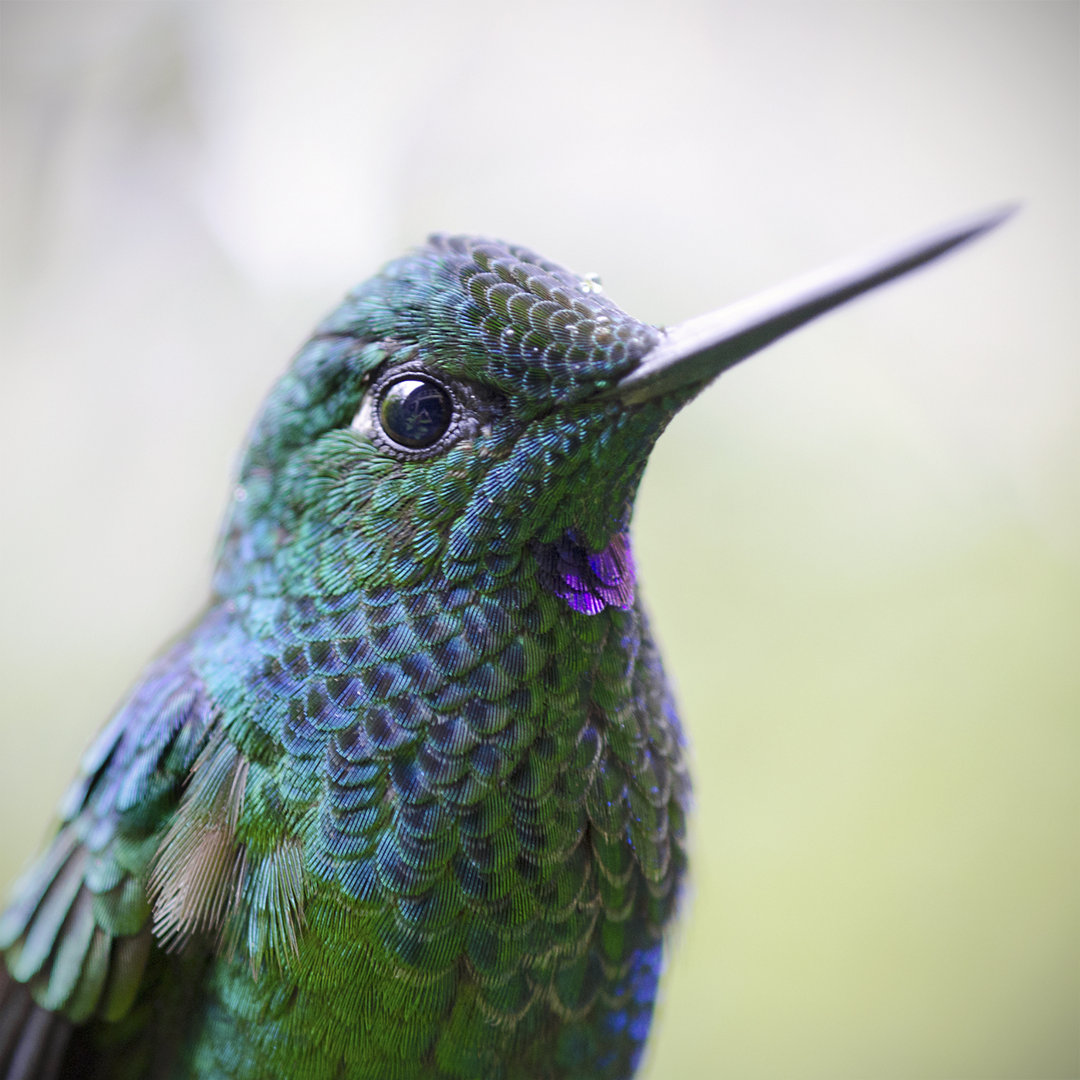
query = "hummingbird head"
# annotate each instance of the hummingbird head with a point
(455, 409)
(474, 406)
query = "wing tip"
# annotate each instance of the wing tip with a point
(33, 1040)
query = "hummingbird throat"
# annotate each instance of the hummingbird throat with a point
(588, 581)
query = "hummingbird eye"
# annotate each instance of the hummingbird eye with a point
(412, 414)
(415, 412)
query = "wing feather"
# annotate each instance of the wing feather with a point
(76, 935)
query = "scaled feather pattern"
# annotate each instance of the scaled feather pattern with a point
(408, 801)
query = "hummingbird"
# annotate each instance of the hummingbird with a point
(409, 800)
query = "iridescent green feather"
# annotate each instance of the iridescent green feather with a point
(409, 800)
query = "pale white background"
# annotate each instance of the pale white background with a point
(861, 548)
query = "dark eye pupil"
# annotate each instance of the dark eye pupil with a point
(415, 412)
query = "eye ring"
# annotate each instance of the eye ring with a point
(412, 414)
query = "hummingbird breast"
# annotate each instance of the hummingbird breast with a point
(487, 780)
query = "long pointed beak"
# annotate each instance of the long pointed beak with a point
(696, 351)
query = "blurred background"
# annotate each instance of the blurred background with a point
(861, 549)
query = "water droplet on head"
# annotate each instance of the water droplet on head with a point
(590, 283)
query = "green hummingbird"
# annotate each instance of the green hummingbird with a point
(408, 801)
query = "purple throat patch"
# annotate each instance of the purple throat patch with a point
(588, 581)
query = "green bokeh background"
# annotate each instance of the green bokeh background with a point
(861, 550)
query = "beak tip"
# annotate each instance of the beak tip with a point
(991, 219)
